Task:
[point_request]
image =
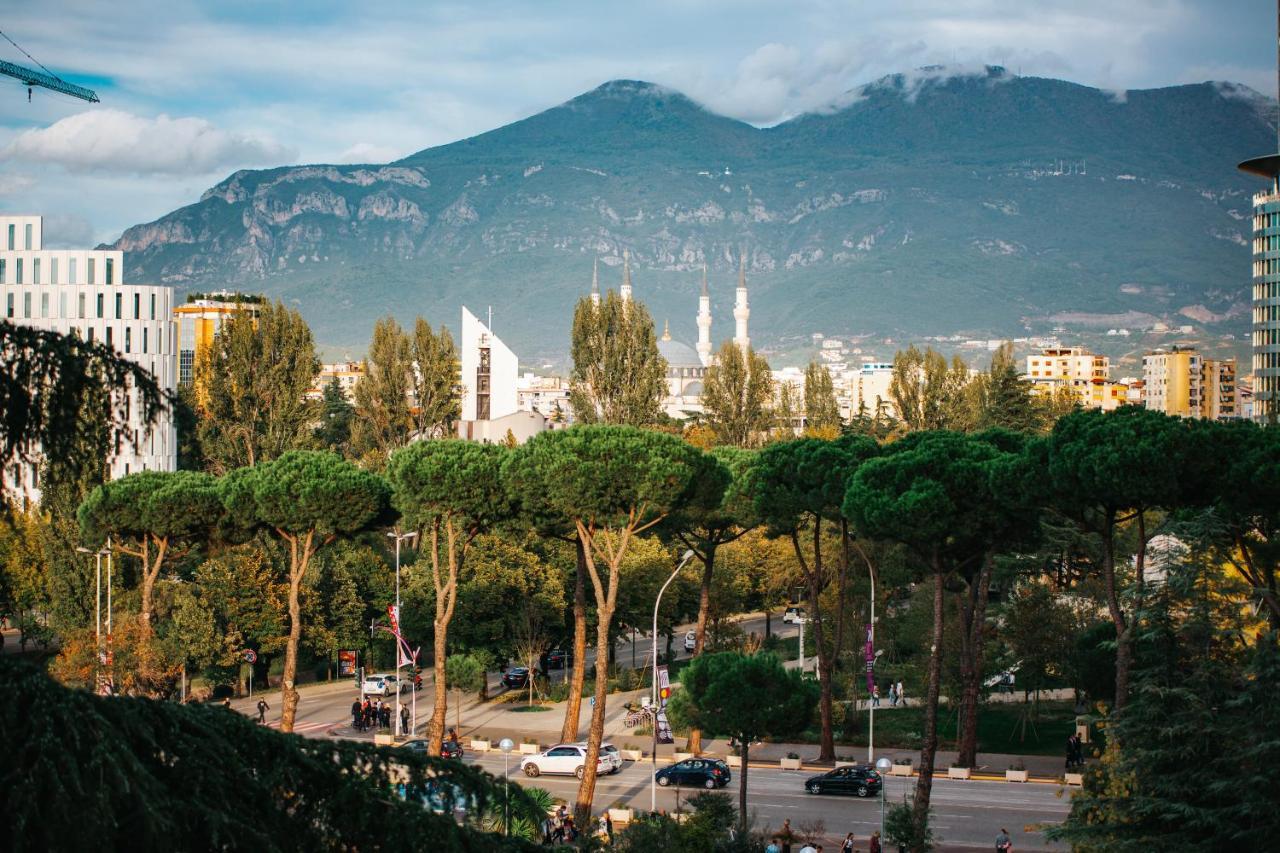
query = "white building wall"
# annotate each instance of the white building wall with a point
(504, 370)
(82, 292)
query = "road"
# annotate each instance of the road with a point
(964, 813)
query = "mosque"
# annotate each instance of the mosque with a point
(687, 366)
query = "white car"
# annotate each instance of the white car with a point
(381, 684)
(568, 759)
(690, 641)
(793, 615)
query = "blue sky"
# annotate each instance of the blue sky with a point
(193, 91)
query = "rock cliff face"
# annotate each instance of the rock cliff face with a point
(928, 204)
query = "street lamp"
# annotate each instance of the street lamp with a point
(653, 782)
(98, 555)
(506, 745)
(884, 765)
(413, 693)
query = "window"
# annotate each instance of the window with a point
(62, 305)
(81, 314)
(9, 307)
(111, 270)
(18, 272)
(144, 340)
(53, 270)
(128, 339)
(35, 270)
(28, 235)
(71, 271)
(110, 337)
(89, 333)
(119, 306)
(137, 306)
(12, 231)
(3, 271)
(26, 304)
(90, 279)
(100, 306)
(153, 306)
(44, 305)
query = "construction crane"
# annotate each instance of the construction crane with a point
(46, 79)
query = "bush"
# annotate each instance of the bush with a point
(900, 828)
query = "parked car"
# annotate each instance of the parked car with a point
(448, 749)
(381, 684)
(554, 659)
(793, 615)
(569, 759)
(861, 781)
(1004, 680)
(699, 772)
(690, 641)
(516, 677)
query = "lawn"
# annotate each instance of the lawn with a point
(1000, 728)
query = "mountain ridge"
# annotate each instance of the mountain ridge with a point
(984, 204)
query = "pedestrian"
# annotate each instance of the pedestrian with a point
(357, 715)
(893, 695)
(1071, 751)
(570, 831)
(773, 847)
(404, 719)
(226, 702)
(902, 695)
(263, 707)
(808, 848)
(1004, 844)
(1078, 750)
(873, 846)
(786, 835)
(848, 843)
(875, 696)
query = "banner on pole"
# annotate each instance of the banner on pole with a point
(664, 728)
(871, 661)
(664, 686)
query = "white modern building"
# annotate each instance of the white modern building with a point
(490, 400)
(82, 292)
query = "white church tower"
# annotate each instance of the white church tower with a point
(626, 276)
(704, 322)
(741, 311)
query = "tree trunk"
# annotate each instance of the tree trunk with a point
(595, 733)
(826, 742)
(924, 782)
(704, 608)
(745, 742)
(446, 596)
(1123, 638)
(288, 693)
(973, 612)
(435, 729)
(578, 675)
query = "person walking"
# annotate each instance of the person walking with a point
(902, 694)
(1071, 751)
(786, 835)
(873, 846)
(1004, 844)
(357, 716)
(773, 847)
(404, 719)
(847, 846)
(263, 707)
(875, 696)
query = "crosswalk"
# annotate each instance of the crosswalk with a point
(312, 728)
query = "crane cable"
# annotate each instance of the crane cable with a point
(32, 58)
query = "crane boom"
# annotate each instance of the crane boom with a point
(47, 81)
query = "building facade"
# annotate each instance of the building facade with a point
(1266, 289)
(489, 378)
(1085, 374)
(199, 320)
(83, 293)
(1172, 382)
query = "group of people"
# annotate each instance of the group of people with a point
(784, 839)
(1075, 752)
(558, 828)
(897, 695)
(371, 715)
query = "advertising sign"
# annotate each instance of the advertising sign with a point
(346, 663)
(871, 662)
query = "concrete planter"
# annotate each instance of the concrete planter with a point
(621, 815)
(846, 764)
(733, 760)
(1015, 775)
(790, 763)
(530, 748)
(480, 746)
(380, 739)
(632, 754)
(902, 770)
(959, 772)
(681, 756)
(1076, 779)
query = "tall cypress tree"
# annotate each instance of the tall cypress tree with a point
(618, 375)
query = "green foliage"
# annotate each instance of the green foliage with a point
(821, 411)
(465, 672)
(713, 687)
(434, 381)
(336, 414)
(928, 393)
(58, 405)
(796, 481)
(138, 774)
(383, 423)
(452, 479)
(1004, 397)
(251, 386)
(737, 395)
(900, 827)
(618, 377)
(168, 505)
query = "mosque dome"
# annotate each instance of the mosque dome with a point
(678, 354)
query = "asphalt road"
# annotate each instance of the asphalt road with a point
(965, 814)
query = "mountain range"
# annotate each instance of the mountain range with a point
(983, 204)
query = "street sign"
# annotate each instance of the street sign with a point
(249, 655)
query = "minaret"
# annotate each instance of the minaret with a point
(626, 275)
(666, 330)
(595, 282)
(741, 311)
(704, 322)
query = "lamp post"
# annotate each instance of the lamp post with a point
(884, 765)
(871, 717)
(413, 693)
(97, 611)
(506, 745)
(653, 782)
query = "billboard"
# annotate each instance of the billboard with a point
(347, 663)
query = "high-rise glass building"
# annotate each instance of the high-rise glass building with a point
(1266, 288)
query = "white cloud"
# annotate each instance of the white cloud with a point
(113, 141)
(12, 184)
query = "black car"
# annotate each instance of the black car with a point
(554, 659)
(448, 749)
(862, 781)
(516, 677)
(699, 772)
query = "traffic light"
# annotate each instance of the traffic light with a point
(664, 693)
